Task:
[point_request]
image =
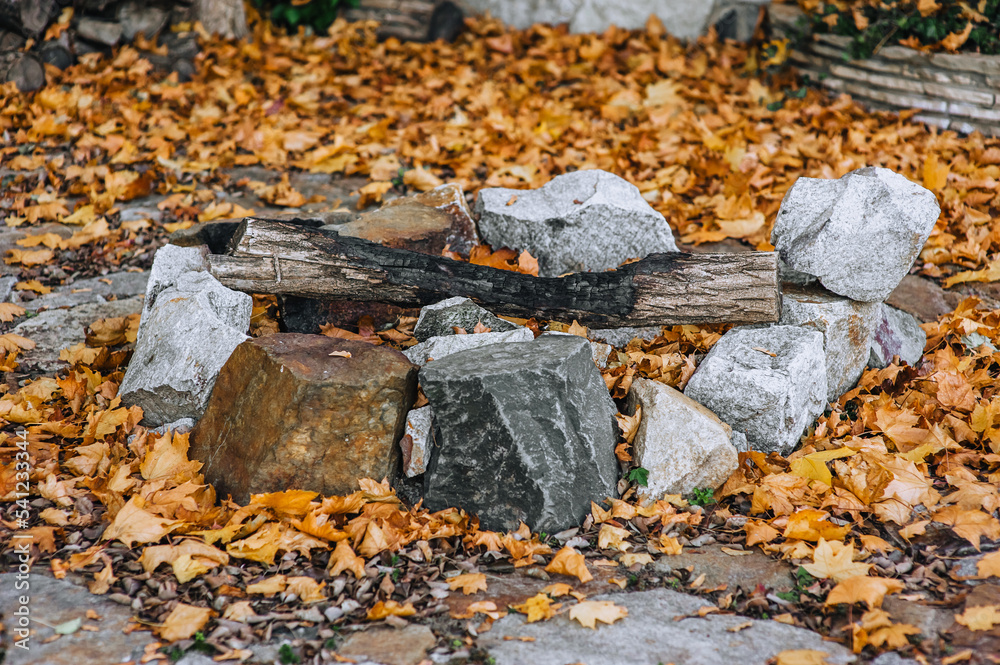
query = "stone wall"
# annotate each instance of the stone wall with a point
(952, 91)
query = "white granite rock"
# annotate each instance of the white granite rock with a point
(438, 347)
(858, 235)
(183, 341)
(896, 334)
(770, 398)
(848, 327)
(682, 444)
(443, 317)
(169, 263)
(585, 220)
(417, 449)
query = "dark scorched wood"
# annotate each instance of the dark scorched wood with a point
(662, 289)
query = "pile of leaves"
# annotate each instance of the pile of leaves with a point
(927, 25)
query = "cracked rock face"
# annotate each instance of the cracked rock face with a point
(523, 432)
(896, 334)
(770, 398)
(286, 413)
(442, 346)
(441, 319)
(184, 340)
(580, 221)
(682, 444)
(848, 328)
(858, 235)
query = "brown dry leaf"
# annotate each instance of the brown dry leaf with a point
(861, 589)
(835, 560)
(9, 311)
(537, 608)
(421, 179)
(343, 559)
(589, 612)
(33, 285)
(801, 657)
(469, 583)
(270, 586)
(983, 617)
(133, 524)
(183, 622)
(239, 611)
(306, 589)
(989, 565)
(28, 258)
(568, 561)
(382, 609)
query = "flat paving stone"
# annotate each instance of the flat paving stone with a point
(651, 634)
(53, 602)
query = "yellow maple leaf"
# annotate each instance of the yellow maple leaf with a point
(612, 537)
(835, 560)
(189, 558)
(269, 586)
(8, 311)
(133, 524)
(183, 622)
(801, 657)
(935, 173)
(289, 502)
(861, 589)
(568, 561)
(989, 565)
(589, 612)
(382, 609)
(983, 617)
(469, 583)
(28, 258)
(306, 589)
(344, 558)
(33, 285)
(538, 608)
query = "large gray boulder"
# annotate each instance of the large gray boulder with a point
(585, 220)
(523, 432)
(858, 235)
(435, 348)
(443, 317)
(662, 626)
(169, 263)
(183, 341)
(769, 383)
(848, 327)
(682, 444)
(896, 334)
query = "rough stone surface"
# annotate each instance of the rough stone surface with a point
(523, 432)
(443, 317)
(651, 635)
(771, 399)
(416, 442)
(599, 350)
(436, 348)
(682, 444)
(108, 33)
(923, 298)
(6, 286)
(141, 17)
(57, 329)
(426, 222)
(169, 263)
(55, 602)
(744, 572)
(848, 327)
(183, 342)
(859, 235)
(896, 334)
(286, 413)
(389, 646)
(92, 290)
(585, 220)
(620, 337)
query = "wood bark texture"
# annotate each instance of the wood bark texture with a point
(29, 17)
(662, 289)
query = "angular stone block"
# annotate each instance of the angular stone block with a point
(443, 317)
(897, 334)
(523, 432)
(585, 220)
(770, 398)
(183, 341)
(682, 444)
(848, 327)
(169, 263)
(416, 442)
(286, 414)
(858, 235)
(436, 348)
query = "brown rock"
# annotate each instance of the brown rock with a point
(923, 298)
(391, 646)
(423, 223)
(286, 414)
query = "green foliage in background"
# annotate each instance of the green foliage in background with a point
(315, 14)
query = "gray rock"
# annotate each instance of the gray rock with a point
(859, 235)
(435, 348)
(744, 572)
(443, 317)
(416, 449)
(93, 290)
(54, 602)
(682, 444)
(653, 632)
(141, 17)
(523, 432)
(585, 220)
(108, 33)
(600, 350)
(848, 327)
(739, 441)
(183, 342)
(771, 399)
(169, 263)
(896, 334)
(6, 286)
(391, 646)
(893, 658)
(57, 329)
(620, 337)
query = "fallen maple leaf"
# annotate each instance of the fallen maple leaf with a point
(306, 589)
(134, 525)
(469, 583)
(183, 622)
(382, 609)
(835, 560)
(568, 561)
(8, 311)
(989, 565)
(861, 589)
(269, 586)
(589, 612)
(801, 657)
(537, 608)
(983, 617)
(344, 559)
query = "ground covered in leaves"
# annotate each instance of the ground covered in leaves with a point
(894, 483)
